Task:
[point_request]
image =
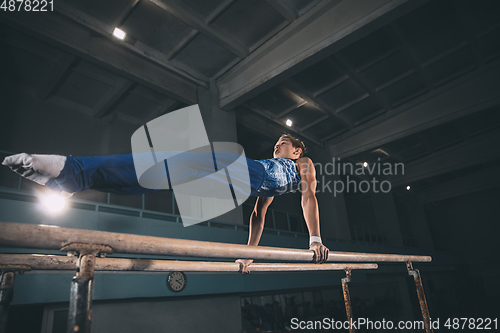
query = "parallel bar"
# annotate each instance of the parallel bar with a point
(52, 262)
(54, 238)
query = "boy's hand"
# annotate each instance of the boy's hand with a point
(244, 263)
(320, 252)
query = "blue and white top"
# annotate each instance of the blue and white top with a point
(280, 177)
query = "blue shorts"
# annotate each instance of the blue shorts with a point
(116, 173)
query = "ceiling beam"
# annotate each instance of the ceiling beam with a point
(28, 43)
(57, 30)
(477, 181)
(165, 107)
(290, 109)
(323, 30)
(182, 44)
(446, 53)
(139, 48)
(389, 153)
(471, 93)
(267, 36)
(315, 122)
(344, 65)
(467, 26)
(111, 98)
(425, 142)
(395, 80)
(258, 125)
(124, 14)
(409, 54)
(351, 103)
(300, 91)
(219, 10)
(334, 134)
(469, 153)
(285, 9)
(330, 86)
(377, 59)
(297, 131)
(59, 71)
(196, 21)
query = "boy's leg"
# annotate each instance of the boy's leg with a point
(67, 175)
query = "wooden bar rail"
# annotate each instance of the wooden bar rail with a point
(53, 262)
(55, 238)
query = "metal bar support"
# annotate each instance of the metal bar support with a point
(421, 296)
(6, 294)
(7, 277)
(82, 285)
(347, 299)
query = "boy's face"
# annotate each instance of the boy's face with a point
(284, 148)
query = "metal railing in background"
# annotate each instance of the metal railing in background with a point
(368, 235)
(409, 241)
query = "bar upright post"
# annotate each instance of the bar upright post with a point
(6, 294)
(82, 286)
(421, 296)
(347, 299)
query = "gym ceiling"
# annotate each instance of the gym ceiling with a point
(369, 80)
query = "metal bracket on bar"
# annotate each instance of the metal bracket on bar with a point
(347, 298)
(421, 295)
(409, 266)
(82, 285)
(18, 269)
(97, 249)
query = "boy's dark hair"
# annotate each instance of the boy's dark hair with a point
(296, 143)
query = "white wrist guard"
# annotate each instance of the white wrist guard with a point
(313, 239)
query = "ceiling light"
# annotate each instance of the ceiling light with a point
(365, 164)
(408, 187)
(119, 33)
(53, 202)
(288, 122)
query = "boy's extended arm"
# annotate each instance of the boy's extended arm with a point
(257, 221)
(310, 207)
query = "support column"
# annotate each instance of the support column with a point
(406, 297)
(221, 127)
(332, 209)
(220, 124)
(387, 218)
(419, 225)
